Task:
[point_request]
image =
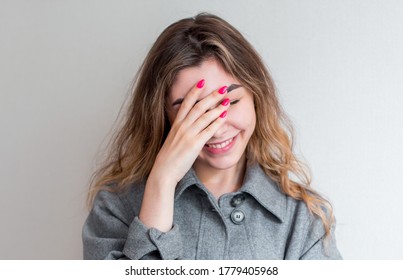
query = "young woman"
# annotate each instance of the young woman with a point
(203, 166)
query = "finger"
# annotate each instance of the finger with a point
(189, 100)
(212, 128)
(204, 105)
(209, 117)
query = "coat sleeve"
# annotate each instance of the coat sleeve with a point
(318, 246)
(307, 237)
(111, 232)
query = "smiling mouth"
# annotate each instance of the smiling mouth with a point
(220, 145)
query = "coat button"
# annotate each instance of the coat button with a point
(237, 200)
(237, 216)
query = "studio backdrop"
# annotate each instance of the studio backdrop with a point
(66, 69)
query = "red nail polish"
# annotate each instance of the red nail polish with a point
(223, 114)
(200, 84)
(225, 102)
(223, 90)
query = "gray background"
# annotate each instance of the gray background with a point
(66, 66)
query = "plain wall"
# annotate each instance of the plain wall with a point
(66, 67)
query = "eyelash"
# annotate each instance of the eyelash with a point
(232, 102)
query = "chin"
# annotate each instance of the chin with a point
(219, 163)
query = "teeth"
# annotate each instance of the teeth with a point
(221, 145)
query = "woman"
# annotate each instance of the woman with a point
(201, 167)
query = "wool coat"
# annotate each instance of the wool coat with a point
(256, 222)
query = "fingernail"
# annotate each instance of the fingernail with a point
(223, 114)
(225, 102)
(223, 90)
(200, 84)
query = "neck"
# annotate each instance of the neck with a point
(221, 181)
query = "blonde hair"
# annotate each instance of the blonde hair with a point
(188, 43)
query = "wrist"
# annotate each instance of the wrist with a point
(162, 178)
(158, 202)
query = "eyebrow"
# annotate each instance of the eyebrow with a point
(229, 89)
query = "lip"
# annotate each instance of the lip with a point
(217, 151)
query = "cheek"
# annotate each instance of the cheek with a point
(171, 114)
(243, 117)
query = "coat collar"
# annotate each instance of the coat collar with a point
(256, 183)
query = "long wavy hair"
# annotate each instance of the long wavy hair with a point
(187, 43)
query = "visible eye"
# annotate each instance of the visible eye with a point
(234, 102)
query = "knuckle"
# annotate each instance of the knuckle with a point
(186, 103)
(189, 100)
(214, 125)
(180, 130)
(199, 108)
(205, 118)
(210, 129)
(192, 94)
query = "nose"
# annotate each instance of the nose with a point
(222, 131)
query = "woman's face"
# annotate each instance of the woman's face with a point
(239, 123)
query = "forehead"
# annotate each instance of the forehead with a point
(210, 70)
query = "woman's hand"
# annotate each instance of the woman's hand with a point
(193, 126)
(195, 123)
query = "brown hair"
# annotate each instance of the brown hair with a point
(188, 43)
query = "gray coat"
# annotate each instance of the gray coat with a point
(257, 222)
